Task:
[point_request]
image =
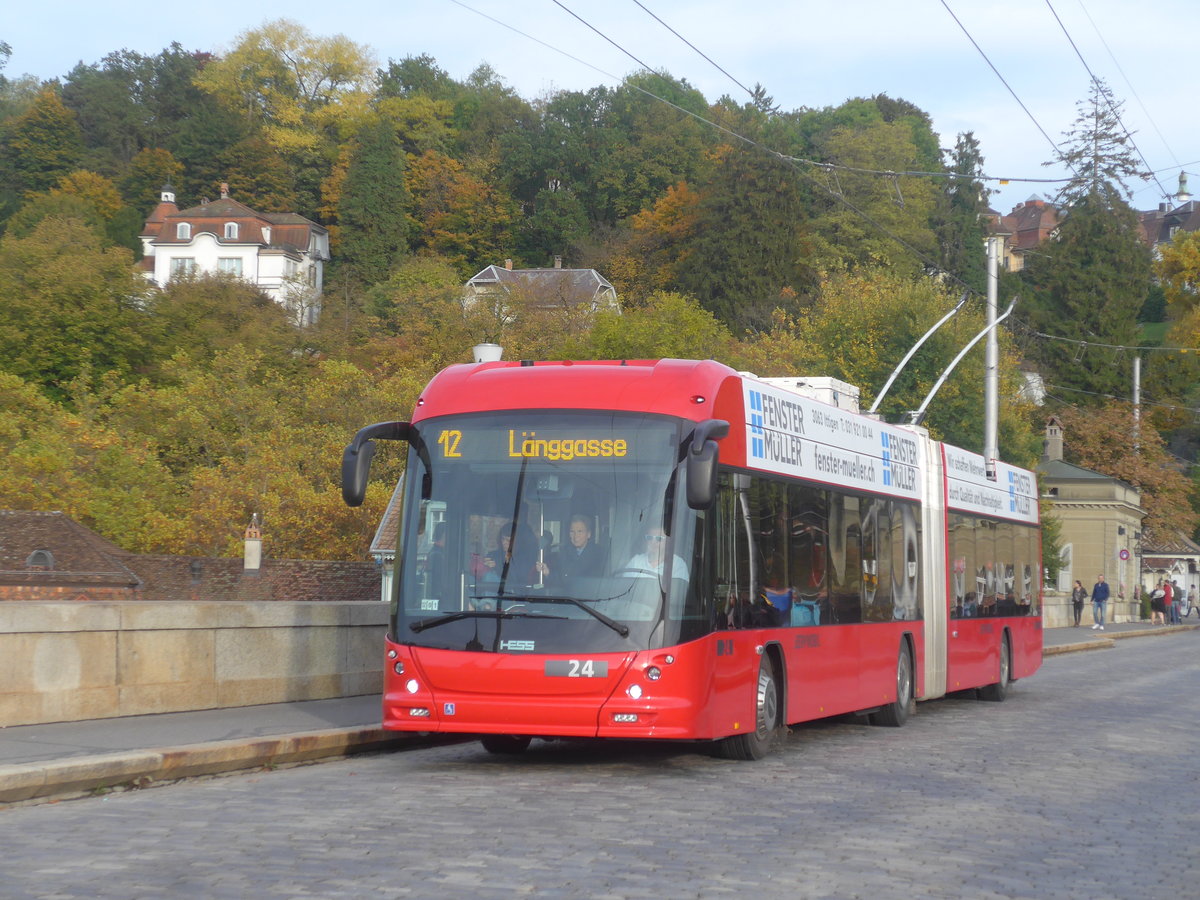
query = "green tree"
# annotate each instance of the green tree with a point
(869, 218)
(666, 325)
(1088, 283)
(373, 208)
(110, 102)
(747, 254)
(150, 170)
(1098, 151)
(71, 305)
(211, 314)
(417, 76)
(40, 145)
(862, 323)
(962, 230)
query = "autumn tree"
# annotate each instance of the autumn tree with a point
(301, 92)
(1177, 270)
(460, 216)
(1105, 438)
(861, 325)
(658, 246)
(69, 459)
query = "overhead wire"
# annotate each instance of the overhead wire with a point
(1104, 93)
(791, 161)
(697, 49)
(1003, 81)
(1129, 84)
(797, 162)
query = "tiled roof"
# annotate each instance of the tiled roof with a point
(80, 555)
(568, 285)
(288, 231)
(1177, 543)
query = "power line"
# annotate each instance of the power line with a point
(1032, 332)
(603, 35)
(1101, 88)
(1129, 84)
(693, 46)
(836, 195)
(1001, 77)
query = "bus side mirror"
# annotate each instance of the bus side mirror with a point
(702, 458)
(356, 458)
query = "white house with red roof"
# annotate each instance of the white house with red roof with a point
(283, 254)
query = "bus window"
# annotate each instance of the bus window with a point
(808, 550)
(876, 560)
(905, 540)
(845, 556)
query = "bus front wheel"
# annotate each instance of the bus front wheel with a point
(757, 743)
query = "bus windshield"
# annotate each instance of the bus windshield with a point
(548, 533)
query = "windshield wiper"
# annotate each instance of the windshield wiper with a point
(619, 627)
(422, 624)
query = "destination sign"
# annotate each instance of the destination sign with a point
(536, 438)
(793, 435)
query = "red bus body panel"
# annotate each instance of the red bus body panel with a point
(707, 687)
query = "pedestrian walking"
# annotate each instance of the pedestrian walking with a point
(1099, 602)
(1158, 600)
(1078, 595)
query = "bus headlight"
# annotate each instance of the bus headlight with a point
(411, 686)
(634, 691)
(654, 673)
(398, 668)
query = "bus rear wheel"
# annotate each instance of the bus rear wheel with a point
(510, 744)
(897, 712)
(757, 744)
(997, 691)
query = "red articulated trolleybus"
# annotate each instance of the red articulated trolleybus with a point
(674, 550)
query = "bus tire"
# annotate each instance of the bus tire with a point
(997, 691)
(896, 713)
(508, 744)
(757, 743)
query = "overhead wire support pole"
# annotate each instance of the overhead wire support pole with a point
(909, 355)
(991, 366)
(918, 415)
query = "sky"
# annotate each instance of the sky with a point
(806, 53)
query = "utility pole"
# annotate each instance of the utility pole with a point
(991, 373)
(1137, 403)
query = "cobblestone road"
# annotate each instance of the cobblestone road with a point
(1082, 785)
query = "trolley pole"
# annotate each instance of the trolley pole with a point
(991, 375)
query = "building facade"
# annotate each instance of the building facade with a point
(282, 254)
(1101, 526)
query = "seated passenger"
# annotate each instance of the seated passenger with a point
(580, 558)
(520, 561)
